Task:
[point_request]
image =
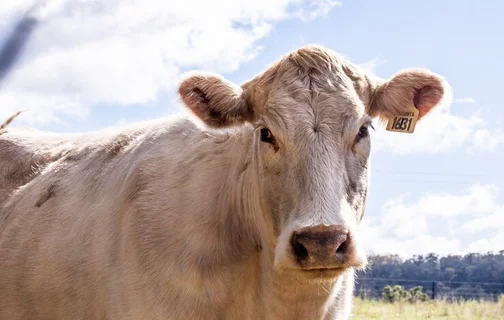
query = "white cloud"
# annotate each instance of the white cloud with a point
(478, 199)
(491, 244)
(481, 246)
(486, 140)
(371, 65)
(13, 7)
(129, 52)
(494, 221)
(379, 241)
(407, 227)
(465, 100)
(317, 8)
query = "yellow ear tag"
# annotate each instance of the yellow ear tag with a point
(404, 121)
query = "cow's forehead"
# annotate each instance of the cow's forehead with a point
(314, 91)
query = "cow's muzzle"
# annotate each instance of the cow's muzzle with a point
(323, 247)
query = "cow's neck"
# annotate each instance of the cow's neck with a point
(288, 297)
(282, 296)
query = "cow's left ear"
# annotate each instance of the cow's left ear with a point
(412, 87)
(216, 101)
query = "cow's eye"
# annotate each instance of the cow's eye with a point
(363, 132)
(266, 136)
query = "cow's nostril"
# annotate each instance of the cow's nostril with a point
(343, 247)
(299, 250)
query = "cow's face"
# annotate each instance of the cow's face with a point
(312, 115)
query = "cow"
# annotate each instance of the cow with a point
(247, 206)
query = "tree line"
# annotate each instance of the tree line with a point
(470, 276)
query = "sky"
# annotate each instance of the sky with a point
(93, 64)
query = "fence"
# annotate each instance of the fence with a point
(371, 288)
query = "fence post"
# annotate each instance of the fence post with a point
(433, 290)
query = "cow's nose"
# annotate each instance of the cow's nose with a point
(320, 247)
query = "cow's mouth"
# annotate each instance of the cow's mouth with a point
(324, 273)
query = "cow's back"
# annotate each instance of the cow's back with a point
(23, 153)
(62, 225)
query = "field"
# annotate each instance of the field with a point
(432, 310)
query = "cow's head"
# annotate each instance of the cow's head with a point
(312, 115)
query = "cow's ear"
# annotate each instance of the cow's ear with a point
(216, 101)
(412, 87)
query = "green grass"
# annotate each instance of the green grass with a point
(434, 310)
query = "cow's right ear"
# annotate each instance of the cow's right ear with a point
(216, 101)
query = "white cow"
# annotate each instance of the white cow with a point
(251, 214)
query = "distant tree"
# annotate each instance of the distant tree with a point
(397, 293)
(416, 295)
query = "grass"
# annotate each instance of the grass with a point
(432, 310)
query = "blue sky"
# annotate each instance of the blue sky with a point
(94, 64)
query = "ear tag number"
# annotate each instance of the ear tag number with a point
(404, 122)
